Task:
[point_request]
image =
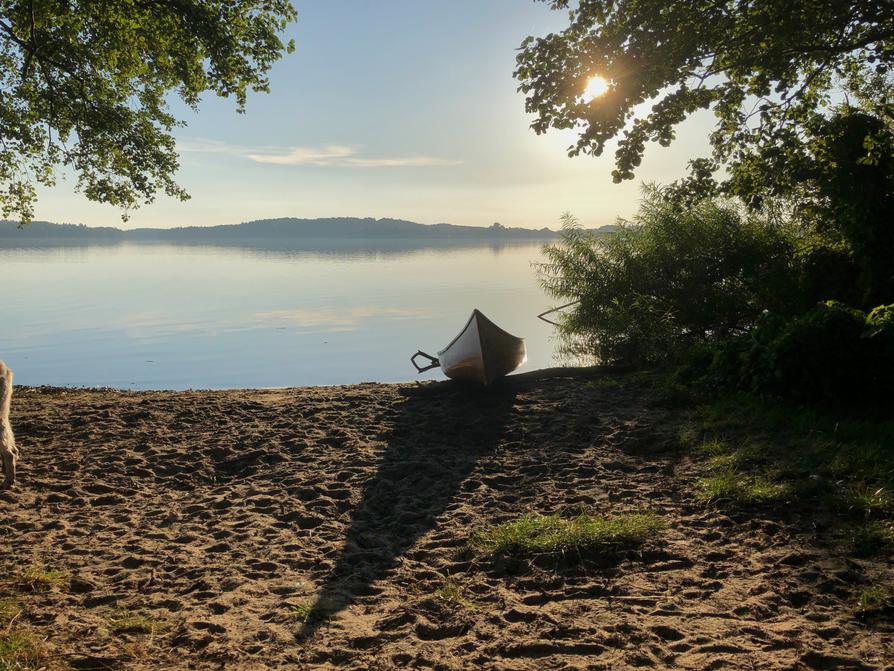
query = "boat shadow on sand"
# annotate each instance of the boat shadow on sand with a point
(437, 436)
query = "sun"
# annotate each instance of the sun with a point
(596, 86)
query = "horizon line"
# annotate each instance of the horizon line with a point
(483, 227)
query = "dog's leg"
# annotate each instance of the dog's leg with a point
(8, 452)
(8, 456)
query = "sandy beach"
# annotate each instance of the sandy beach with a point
(216, 520)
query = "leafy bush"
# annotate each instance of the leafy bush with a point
(879, 334)
(672, 278)
(818, 355)
(832, 353)
(739, 363)
(882, 318)
(732, 295)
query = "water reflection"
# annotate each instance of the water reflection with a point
(338, 320)
(350, 248)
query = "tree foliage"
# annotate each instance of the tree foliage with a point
(855, 167)
(86, 83)
(769, 70)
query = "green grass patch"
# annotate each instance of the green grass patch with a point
(139, 622)
(868, 497)
(39, 577)
(452, 592)
(755, 451)
(312, 612)
(874, 537)
(21, 651)
(713, 447)
(729, 484)
(535, 535)
(9, 610)
(874, 601)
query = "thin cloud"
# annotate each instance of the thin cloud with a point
(304, 155)
(331, 155)
(399, 162)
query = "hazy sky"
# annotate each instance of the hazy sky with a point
(390, 108)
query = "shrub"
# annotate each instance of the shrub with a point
(672, 278)
(729, 293)
(882, 318)
(739, 363)
(879, 334)
(819, 355)
(832, 353)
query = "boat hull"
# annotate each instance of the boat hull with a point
(482, 352)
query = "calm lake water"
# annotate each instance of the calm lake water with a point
(159, 316)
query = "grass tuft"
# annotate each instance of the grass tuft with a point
(874, 537)
(874, 601)
(9, 610)
(312, 612)
(536, 535)
(138, 623)
(452, 592)
(867, 498)
(713, 447)
(729, 484)
(39, 577)
(21, 651)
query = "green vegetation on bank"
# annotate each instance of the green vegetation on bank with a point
(672, 278)
(784, 303)
(830, 354)
(777, 281)
(737, 300)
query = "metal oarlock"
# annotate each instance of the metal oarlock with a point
(421, 369)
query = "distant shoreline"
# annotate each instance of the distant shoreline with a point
(284, 230)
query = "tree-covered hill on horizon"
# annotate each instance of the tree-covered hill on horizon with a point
(282, 228)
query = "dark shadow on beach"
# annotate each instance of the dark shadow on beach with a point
(438, 435)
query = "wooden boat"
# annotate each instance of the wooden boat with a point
(481, 352)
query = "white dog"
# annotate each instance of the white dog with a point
(8, 452)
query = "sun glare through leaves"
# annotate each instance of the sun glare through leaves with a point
(596, 86)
